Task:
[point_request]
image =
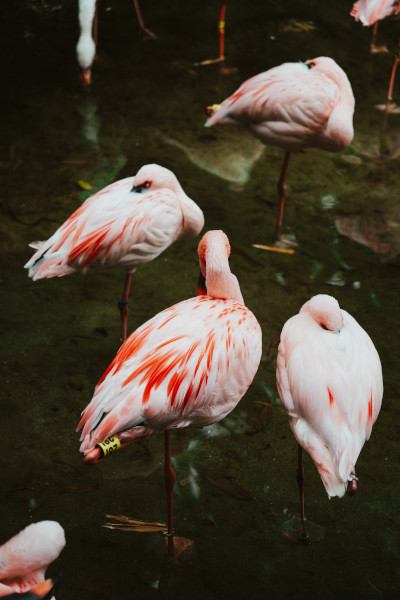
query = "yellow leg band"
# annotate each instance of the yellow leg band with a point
(111, 444)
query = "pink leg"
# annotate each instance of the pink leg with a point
(123, 306)
(300, 481)
(374, 49)
(393, 76)
(281, 195)
(170, 478)
(142, 26)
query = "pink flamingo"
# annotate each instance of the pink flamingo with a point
(187, 366)
(87, 42)
(25, 558)
(370, 12)
(329, 380)
(126, 224)
(293, 106)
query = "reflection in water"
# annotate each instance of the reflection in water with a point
(230, 156)
(380, 232)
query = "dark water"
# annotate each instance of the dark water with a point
(57, 336)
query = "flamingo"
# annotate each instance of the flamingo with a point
(329, 379)
(87, 42)
(293, 106)
(187, 366)
(370, 12)
(124, 225)
(25, 558)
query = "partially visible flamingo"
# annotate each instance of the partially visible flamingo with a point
(370, 12)
(87, 42)
(293, 106)
(25, 558)
(329, 380)
(123, 226)
(187, 366)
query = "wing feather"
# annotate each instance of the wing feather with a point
(176, 370)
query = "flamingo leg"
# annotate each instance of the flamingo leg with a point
(374, 49)
(95, 23)
(142, 26)
(170, 478)
(300, 481)
(221, 29)
(281, 195)
(389, 106)
(123, 306)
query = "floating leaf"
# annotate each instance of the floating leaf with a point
(128, 524)
(84, 185)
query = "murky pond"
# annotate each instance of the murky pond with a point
(236, 493)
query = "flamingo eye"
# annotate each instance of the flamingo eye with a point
(143, 186)
(310, 64)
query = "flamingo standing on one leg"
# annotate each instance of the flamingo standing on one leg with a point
(86, 46)
(293, 106)
(329, 380)
(25, 558)
(126, 224)
(370, 12)
(187, 366)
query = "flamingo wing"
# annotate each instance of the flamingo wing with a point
(115, 228)
(331, 387)
(283, 106)
(188, 365)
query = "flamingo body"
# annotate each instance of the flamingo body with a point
(187, 366)
(329, 379)
(124, 225)
(369, 12)
(294, 106)
(26, 556)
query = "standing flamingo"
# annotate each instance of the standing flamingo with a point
(329, 380)
(25, 558)
(87, 42)
(126, 224)
(370, 12)
(293, 106)
(187, 366)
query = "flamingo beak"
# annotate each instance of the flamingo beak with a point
(87, 76)
(42, 591)
(201, 285)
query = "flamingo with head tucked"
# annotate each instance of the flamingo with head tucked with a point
(187, 366)
(25, 558)
(329, 380)
(293, 106)
(123, 226)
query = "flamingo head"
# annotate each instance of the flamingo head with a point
(325, 311)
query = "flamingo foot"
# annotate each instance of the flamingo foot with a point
(184, 551)
(148, 34)
(293, 531)
(374, 49)
(389, 108)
